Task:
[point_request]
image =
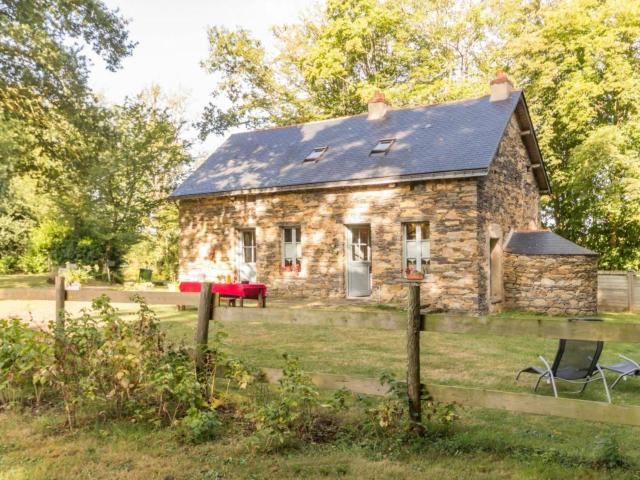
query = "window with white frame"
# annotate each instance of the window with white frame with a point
(248, 246)
(291, 249)
(417, 250)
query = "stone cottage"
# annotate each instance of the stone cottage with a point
(355, 207)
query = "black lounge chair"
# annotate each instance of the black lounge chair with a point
(576, 362)
(624, 369)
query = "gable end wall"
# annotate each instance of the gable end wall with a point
(508, 199)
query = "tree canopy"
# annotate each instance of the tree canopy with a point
(332, 61)
(101, 170)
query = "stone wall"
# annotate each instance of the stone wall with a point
(552, 284)
(509, 199)
(210, 236)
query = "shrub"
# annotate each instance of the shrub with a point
(200, 426)
(8, 264)
(122, 368)
(295, 413)
(23, 354)
(391, 413)
(100, 363)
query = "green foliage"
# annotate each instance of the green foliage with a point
(158, 248)
(391, 414)
(579, 63)
(289, 415)
(609, 455)
(200, 426)
(330, 62)
(81, 274)
(100, 363)
(43, 75)
(47, 245)
(23, 353)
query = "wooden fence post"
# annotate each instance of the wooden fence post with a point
(61, 296)
(413, 358)
(205, 314)
(630, 286)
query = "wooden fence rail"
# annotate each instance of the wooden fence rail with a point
(389, 320)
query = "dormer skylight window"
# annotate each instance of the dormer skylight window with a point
(383, 146)
(315, 155)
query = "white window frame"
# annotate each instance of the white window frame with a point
(295, 241)
(253, 248)
(419, 242)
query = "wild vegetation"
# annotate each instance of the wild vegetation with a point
(145, 412)
(100, 366)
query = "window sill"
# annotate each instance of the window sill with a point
(293, 274)
(426, 278)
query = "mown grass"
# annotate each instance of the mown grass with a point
(121, 450)
(484, 443)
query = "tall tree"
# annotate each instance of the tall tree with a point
(43, 68)
(579, 63)
(124, 172)
(330, 62)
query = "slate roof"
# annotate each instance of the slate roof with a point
(458, 136)
(544, 243)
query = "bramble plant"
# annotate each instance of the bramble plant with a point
(23, 352)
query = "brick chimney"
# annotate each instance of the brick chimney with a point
(378, 106)
(501, 87)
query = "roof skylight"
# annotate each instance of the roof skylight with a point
(383, 146)
(315, 155)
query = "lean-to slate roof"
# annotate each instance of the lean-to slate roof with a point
(460, 137)
(544, 243)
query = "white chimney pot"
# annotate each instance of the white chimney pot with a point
(377, 106)
(501, 87)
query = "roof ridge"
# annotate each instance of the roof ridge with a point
(392, 109)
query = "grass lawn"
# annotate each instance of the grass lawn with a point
(27, 280)
(486, 444)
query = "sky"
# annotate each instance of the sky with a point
(172, 40)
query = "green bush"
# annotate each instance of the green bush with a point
(200, 426)
(24, 352)
(391, 415)
(100, 363)
(296, 413)
(9, 264)
(34, 262)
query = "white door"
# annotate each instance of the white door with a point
(247, 256)
(359, 261)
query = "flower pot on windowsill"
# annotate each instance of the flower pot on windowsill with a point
(290, 268)
(415, 276)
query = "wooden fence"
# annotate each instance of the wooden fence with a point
(618, 291)
(458, 324)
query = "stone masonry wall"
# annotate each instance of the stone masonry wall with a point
(210, 236)
(552, 284)
(509, 199)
